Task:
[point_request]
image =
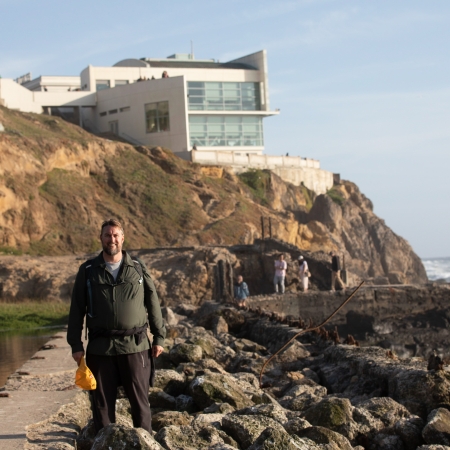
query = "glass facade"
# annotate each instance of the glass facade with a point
(157, 117)
(215, 96)
(102, 84)
(226, 131)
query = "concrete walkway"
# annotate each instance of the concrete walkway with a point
(36, 391)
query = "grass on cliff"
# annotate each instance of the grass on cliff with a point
(336, 196)
(258, 181)
(26, 315)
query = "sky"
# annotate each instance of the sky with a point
(363, 86)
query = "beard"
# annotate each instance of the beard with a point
(112, 250)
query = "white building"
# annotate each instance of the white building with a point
(202, 103)
(204, 111)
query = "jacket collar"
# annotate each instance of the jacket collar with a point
(99, 261)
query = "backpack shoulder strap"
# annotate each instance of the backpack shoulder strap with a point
(138, 267)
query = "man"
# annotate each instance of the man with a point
(335, 272)
(280, 273)
(115, 293)
(241, 291)
(303, 273)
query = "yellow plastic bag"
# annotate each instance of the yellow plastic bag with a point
(84, 377)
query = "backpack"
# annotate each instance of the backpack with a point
(137, 266)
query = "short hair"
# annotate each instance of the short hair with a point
(112, 223)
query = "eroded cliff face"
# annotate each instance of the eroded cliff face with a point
(58, 183)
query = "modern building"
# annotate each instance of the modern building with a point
(179, 102)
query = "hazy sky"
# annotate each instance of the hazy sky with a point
(363, 86)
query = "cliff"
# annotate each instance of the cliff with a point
(58, 183)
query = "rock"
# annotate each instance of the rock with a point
(86, 437)
(410, 432)
(300, 403)
(123, 407)
(386, 441)
(293, 426)
(333, 413)
(185, 403)
(187, 438)
(246, 429)
(217, 388)
(169, 317)
(159, 399)
(210, 419)
(296, 391)
(167, 418)
(206, 344)
(437, 429)
(221, 408)
(275, 412)
(186, 309)
(386, 409)
(321, 435)
(433, 447)
(171, 382)
(367, 424)
(271, 439)
(185, 353)
(120, 437)
(219, 325)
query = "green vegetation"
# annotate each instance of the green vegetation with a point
(258, 181)
(309, 196)
(32, 314)
(336, 196)
(10, 250)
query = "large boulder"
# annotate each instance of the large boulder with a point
(187, 438)
(184, 352)
(321, 435)
(410, 432)
(159, 399)
(212, 388)
(273, 411)
(333, 413)
(437, 429)
(246, 429)
(271, 439)
(170, 381)
(120, 437)
(386, 409)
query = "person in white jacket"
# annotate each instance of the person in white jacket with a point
(303, 272)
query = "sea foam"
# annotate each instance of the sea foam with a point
(437, 268)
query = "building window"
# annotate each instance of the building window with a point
(120, 82)
(124, 109)
(102, 84)
(226, 131)
(157, 117)
(102, 114)
(209, 96)
(113, 111)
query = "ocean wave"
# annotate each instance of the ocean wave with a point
(437, 268)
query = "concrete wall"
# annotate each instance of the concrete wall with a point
(132, 122)
(15, 96)
(293, 169)
(131, 74)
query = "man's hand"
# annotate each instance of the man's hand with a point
(157, 350)
(77, 357)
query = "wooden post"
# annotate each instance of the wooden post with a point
(262, 228)
(270, 227)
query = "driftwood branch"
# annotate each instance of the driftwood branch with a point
(306, 330)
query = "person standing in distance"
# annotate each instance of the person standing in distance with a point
(303, 272)
(116, 293)
(335, 272)
(241, 291)
(280, 273)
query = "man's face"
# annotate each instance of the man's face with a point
(112, 240)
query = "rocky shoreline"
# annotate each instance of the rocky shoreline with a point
(316, 395)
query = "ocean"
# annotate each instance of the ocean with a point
(437, 268)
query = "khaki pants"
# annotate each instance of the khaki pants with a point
(335, 276)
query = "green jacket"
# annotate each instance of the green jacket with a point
(116, 305)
